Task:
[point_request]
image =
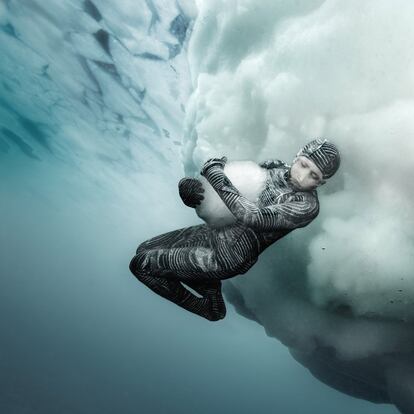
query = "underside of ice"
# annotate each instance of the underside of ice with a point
(248, 177)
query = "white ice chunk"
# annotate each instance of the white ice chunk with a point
(247, 176)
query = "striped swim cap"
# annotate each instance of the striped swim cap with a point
(324, 154)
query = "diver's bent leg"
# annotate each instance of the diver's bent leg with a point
(184, 263)
(196, 266)
(175, 292)
(171, 289)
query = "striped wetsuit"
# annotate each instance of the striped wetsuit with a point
(201, 256)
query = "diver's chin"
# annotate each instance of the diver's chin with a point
(295, 184)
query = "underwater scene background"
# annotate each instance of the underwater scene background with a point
(104, 106)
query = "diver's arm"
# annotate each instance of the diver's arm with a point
(296, 213)
(288, 215)
(190, 190)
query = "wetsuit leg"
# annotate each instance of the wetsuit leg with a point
(161, 266)
(211, 306)
(197, 253)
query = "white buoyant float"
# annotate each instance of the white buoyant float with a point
(247, 176)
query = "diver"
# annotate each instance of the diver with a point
(202, 256)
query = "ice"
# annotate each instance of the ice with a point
(248, 177)
(86, 62)
(297, 71)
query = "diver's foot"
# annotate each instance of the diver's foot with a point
(211, 306)
(217, 305)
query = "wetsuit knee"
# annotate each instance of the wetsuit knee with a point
(136, 263)
(140, 248)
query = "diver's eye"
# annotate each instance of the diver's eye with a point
(303, 164)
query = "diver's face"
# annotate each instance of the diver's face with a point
(304, 174)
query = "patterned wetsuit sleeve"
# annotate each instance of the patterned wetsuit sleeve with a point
(289, 215)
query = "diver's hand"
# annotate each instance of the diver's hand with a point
(190, 190)
(269, 164)
(213, 163)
